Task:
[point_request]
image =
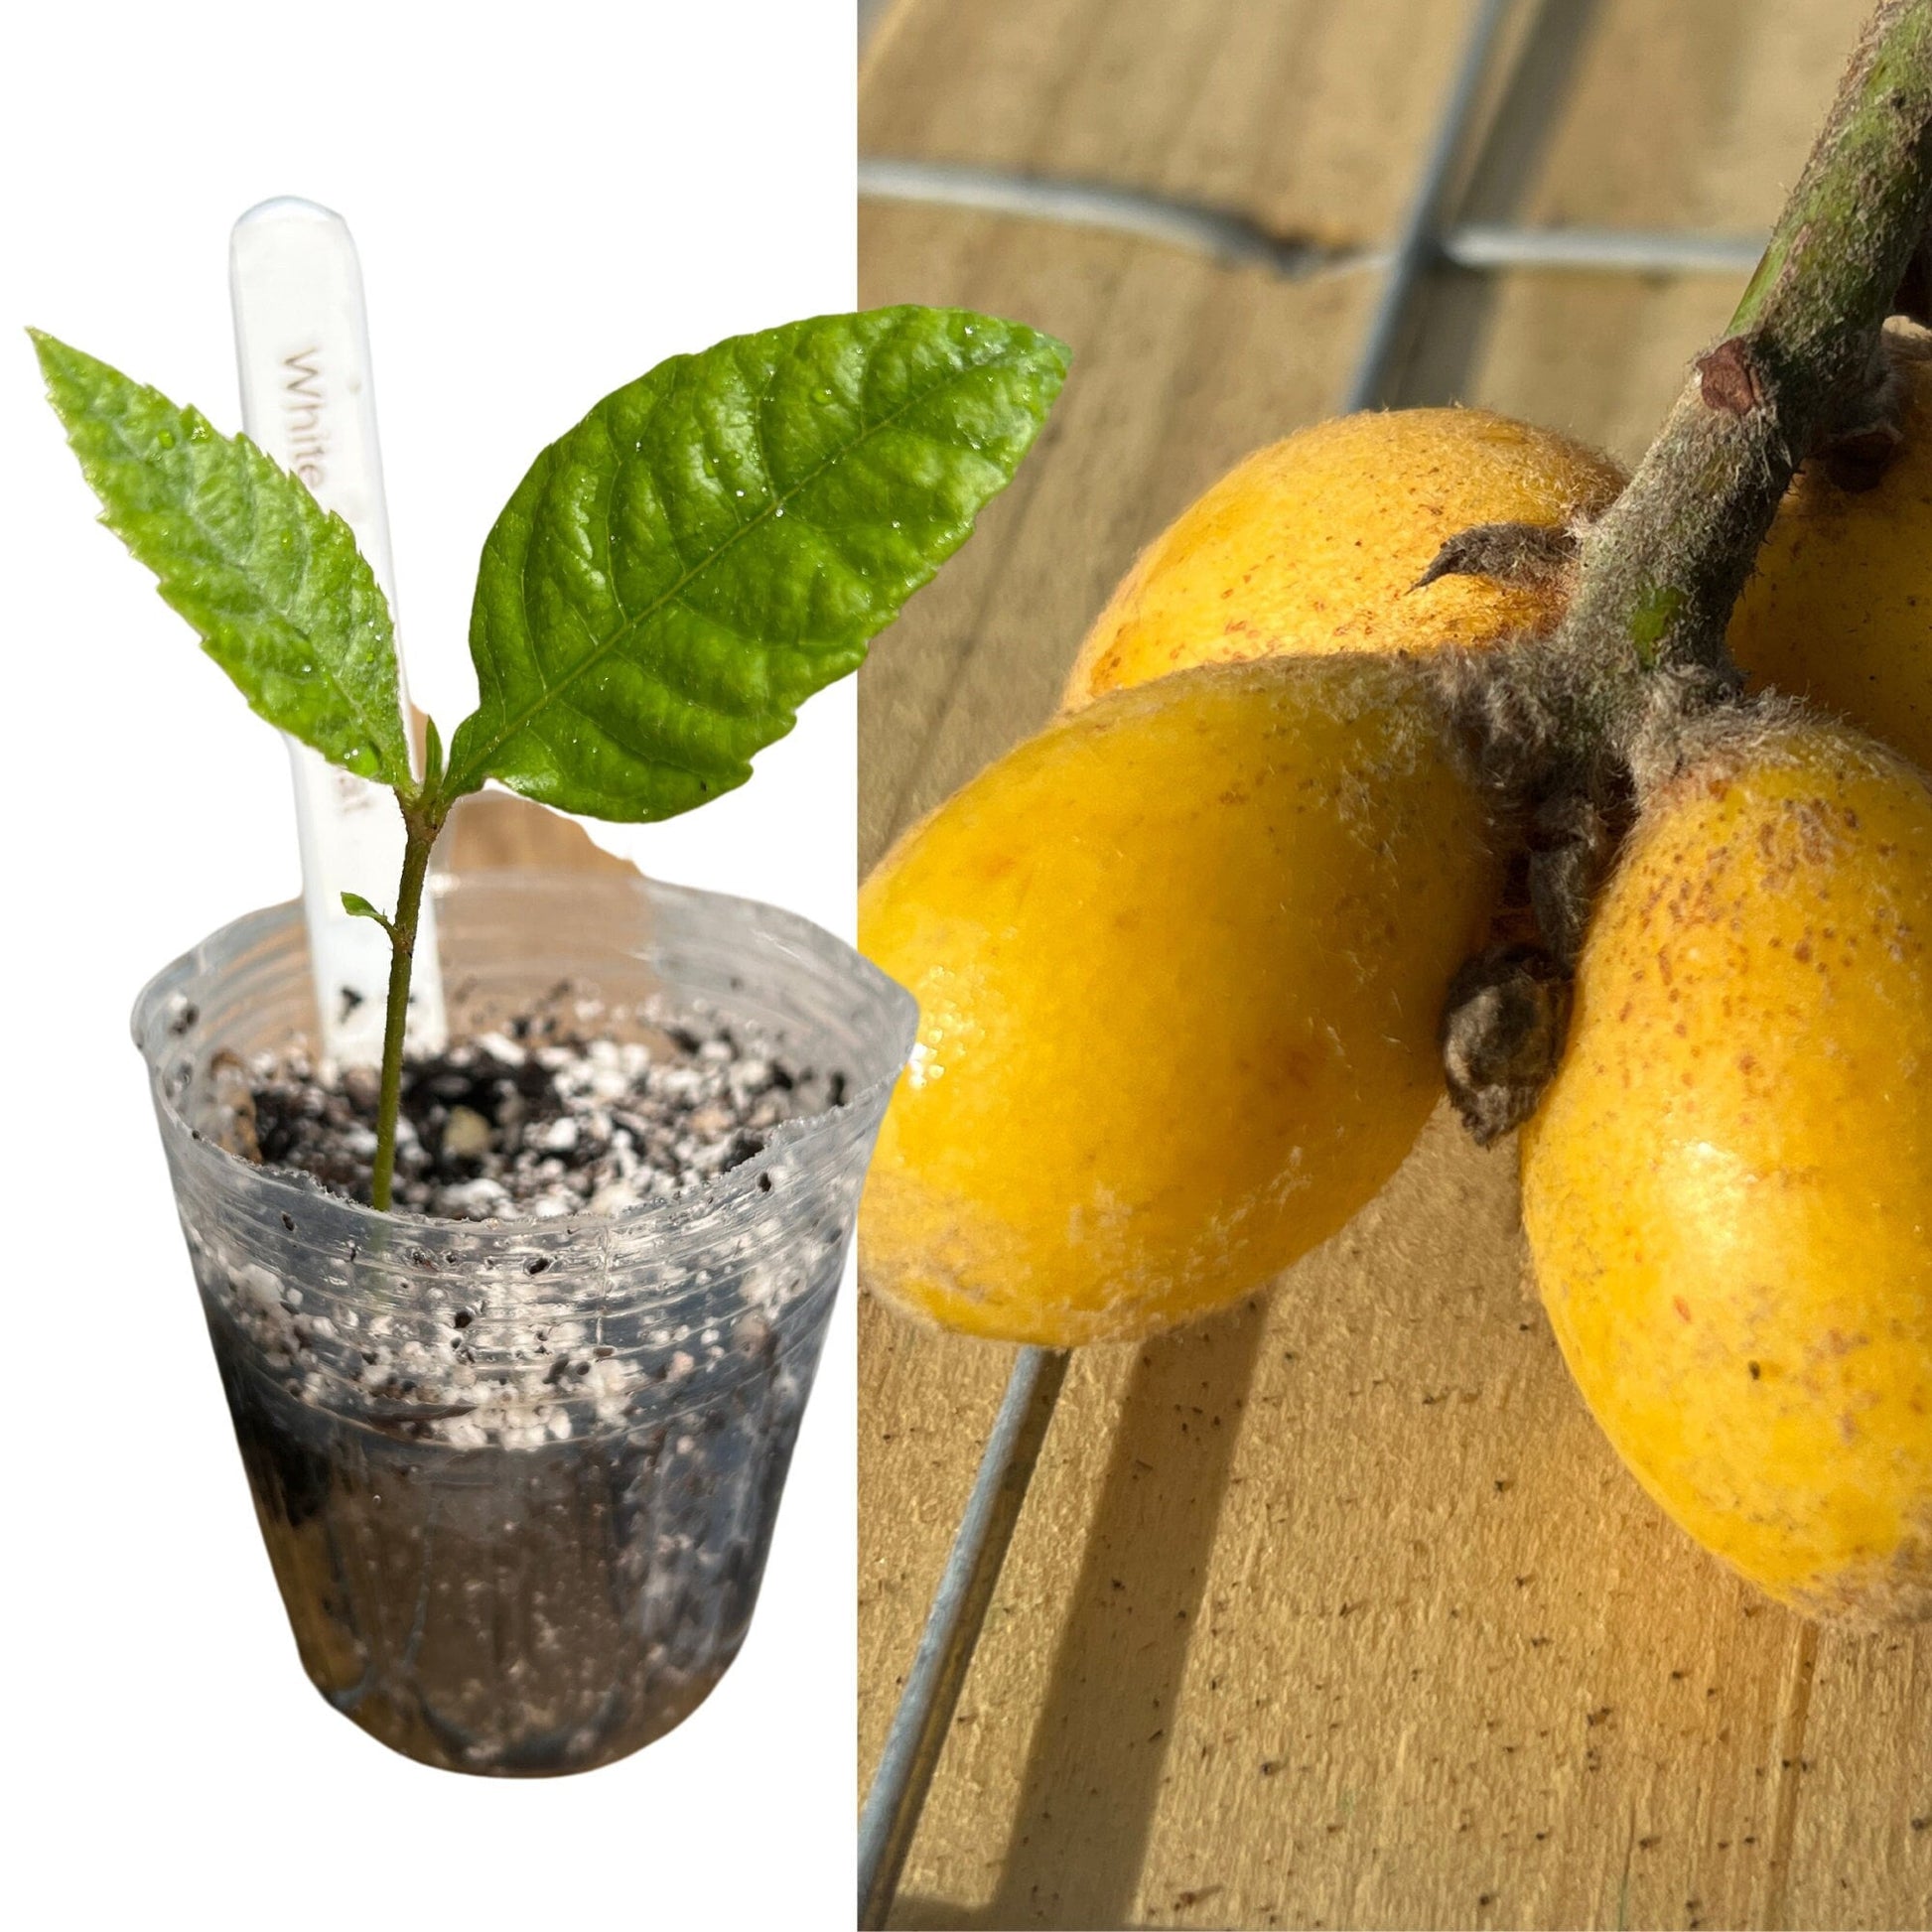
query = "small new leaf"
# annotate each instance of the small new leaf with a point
(723, 537)
(281, 598)
(357, 908)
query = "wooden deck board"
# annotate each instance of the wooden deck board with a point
(1338, 1610)
(1287, 110)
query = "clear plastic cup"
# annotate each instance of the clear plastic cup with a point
(517, 1480)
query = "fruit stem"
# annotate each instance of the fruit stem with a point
(1569, 730)
(423, 820)
(1643, 640)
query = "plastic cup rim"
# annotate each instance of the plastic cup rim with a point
(901, 1009)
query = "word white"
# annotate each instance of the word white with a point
(302, 400)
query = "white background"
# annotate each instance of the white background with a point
(548, 199)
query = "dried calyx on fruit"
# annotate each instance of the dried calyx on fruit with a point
(1346, 538)
(711, 544)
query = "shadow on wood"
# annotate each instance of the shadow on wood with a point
(1455, 310)
(1097, 1762)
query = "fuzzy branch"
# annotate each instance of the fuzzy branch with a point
(1663, 569)
(1567, 728)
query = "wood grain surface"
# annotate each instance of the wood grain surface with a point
(1338, 1610)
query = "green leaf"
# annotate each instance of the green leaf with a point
(723, 537)
(283, 600)
(357, 908)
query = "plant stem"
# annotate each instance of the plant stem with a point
(423, 820)
(1567, 730)
(1663, 569)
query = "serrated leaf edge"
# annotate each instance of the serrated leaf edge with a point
(192, 419)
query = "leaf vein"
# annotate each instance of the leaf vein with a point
(480, 755)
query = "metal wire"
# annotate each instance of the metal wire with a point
(1232, 238)
(952, 1628)
(1217, 233)
(1489, 245)
(1415, 246)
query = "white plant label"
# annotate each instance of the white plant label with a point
(306, 401)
